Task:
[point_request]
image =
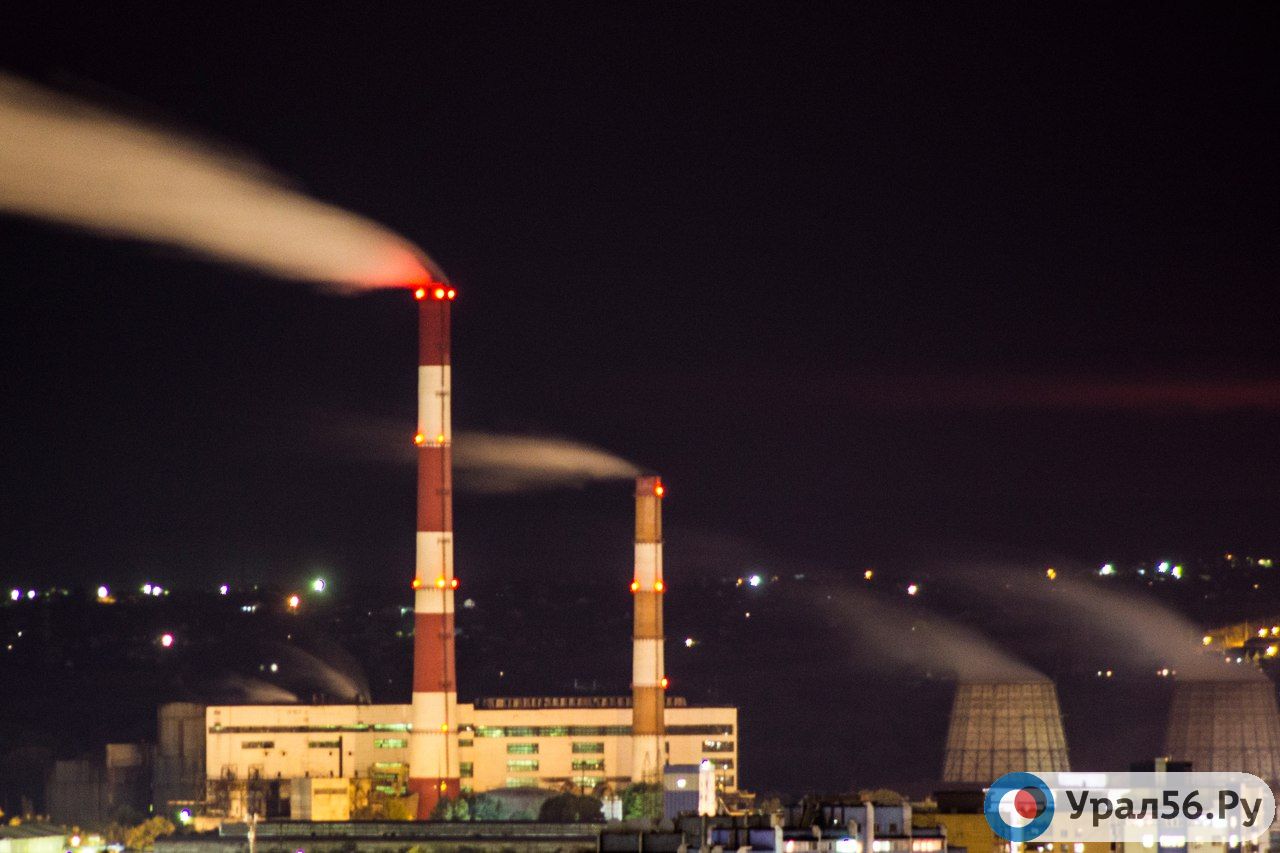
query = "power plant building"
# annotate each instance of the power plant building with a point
(544, 742)
(1002, 727)
(436, 747)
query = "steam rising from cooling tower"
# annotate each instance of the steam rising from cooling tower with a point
(1136, 627)
(1227, 726)
(64, 161)
(927, 643)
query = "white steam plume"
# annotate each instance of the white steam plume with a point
(885, 633)
(492, 463)
(65, 161)
(1134, 626)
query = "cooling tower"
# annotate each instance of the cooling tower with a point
(1226, 726)
(433, 741)
(1001, 727)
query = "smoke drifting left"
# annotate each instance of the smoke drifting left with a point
(68, 162)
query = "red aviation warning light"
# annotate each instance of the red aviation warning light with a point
(635, 586)
(664, 682)
(659, 586)
(658, 489)
(420, 293)
(419, 439)
(417, 583)
(453, 583)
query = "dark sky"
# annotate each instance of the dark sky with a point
(894, 280)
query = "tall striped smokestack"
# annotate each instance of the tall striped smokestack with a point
(648, 673)
(433, 742)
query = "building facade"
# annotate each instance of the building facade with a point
(545, 742)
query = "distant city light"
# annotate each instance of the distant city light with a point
(1051, 573)
(1206, 640)
(103, 592)
(689, 642)
(318, 585)
(184, 816)
(1163, 568)
(146, 589)
(912, 589)
(755, 580)
(868, 575)
(15, 594)
(1177, 572)
(1107, 569)
(31, 593)
(166, 640)
(275, 667)
(293, 602)
(224, 589)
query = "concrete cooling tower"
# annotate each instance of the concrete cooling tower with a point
(1001, 727)
(1227, 726)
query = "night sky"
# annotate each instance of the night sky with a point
(902, 280)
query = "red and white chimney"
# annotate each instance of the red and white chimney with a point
(433, 741)
(648, 671)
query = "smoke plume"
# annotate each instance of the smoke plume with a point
(492, 463)
(888, 633)
(1137, 628)
(64, 161)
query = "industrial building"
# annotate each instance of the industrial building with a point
(1226, 726)
(258, 758)
(1001, 727)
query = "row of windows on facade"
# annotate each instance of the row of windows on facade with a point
(598, 747)
(477, 731)
(379, 743)
(512, 748)
(528, 765)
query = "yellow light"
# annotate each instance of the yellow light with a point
(867, 575)
(1051, 573)
(664, 682)
(1206, 640)
(440, 582)
(419, 439)
(294, 601)
(420, 293)
(444, 727)
(1262, 632)
(451, 293)
(659, 489)
(635, 586)
(1271, 651)
(444, 786)
(417, 583)
(659, 586)
(439, 294)
(440, 438)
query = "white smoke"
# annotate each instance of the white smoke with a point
(1135, 627)
(64, 161)
(883, 632)
(497, 464)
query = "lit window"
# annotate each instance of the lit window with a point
(588, 747)
(522, 764)
(390, 743)
(522, 749)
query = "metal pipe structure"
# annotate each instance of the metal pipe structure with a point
(433, 741)
(648, 673)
